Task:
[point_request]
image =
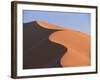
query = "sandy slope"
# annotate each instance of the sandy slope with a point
(77, 43)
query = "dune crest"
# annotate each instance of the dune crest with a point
(49, 26)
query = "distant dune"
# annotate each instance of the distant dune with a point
(76, 43)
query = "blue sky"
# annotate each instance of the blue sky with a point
(78, 21)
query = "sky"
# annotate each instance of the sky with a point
(72, 20)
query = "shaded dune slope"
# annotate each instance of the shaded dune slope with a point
(38, 50)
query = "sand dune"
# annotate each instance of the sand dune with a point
(77, 43)
(46, 45)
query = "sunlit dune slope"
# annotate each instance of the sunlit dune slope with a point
(77, 43)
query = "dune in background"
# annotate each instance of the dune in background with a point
(77, 43)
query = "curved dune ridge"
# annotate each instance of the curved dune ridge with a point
(77, 43)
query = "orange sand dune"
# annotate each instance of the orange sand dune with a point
(77, 43)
